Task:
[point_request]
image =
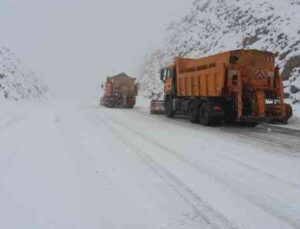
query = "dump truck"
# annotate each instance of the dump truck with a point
(241, 86)
(119, 91)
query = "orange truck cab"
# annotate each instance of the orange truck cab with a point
(236, 86)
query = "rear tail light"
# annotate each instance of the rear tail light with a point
(217, 108)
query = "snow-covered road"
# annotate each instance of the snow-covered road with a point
(65, 164)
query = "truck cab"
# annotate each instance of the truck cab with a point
(168, 76)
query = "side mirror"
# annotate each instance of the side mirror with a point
(162, 75)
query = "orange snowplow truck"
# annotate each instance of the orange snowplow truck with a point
(236, 86)
(120, 91)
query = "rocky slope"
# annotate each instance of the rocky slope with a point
(16, 81)
(214, 26)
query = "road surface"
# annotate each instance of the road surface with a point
(65, 164)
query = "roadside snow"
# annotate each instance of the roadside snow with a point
(61, 168)
(17, 82)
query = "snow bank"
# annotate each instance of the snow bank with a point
(17, 82)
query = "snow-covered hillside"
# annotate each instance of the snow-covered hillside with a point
(16, 80)
(214, 26)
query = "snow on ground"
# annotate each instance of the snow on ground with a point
(64, 164)
(295, 120)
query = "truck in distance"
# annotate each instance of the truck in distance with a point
(241, 86)
(119, 91)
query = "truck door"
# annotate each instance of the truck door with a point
(169, 81)
(166, 76)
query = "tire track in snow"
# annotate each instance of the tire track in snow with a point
(273, 139)
(213, 130)
(12, 118)
(262, 200)
(226, 157)
(281, 129)
(205, 214)
(276, 140)
(12, 121)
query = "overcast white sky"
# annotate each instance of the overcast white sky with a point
(76, 43)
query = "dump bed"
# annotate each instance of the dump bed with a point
(199, 77)
(121, 84)
(209, 76)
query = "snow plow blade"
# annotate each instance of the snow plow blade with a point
(157, 107)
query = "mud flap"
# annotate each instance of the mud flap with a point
(261, 104)
(239, 95)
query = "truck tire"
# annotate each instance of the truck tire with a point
(193, 112)
(169, 108)
(205, 117)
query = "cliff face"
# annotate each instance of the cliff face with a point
(16, 81)
(214, 26)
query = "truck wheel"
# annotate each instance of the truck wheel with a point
(169, 108)
(193, 112)
(205, 118)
